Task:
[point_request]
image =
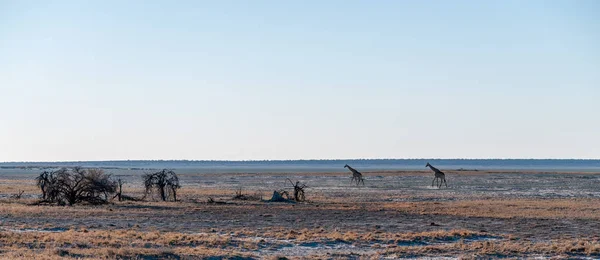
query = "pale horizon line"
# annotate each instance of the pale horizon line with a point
(284, 160)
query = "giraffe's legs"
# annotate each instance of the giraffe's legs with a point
(446, 183)
(434, 178)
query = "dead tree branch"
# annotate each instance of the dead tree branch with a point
(298, 190)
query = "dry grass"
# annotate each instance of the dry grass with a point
(502, 248)
(12, 186)
(305, 235)
(132, 243)
(513, 208)
(84, 243)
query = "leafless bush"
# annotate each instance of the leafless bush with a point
(47, 182)
(76, 185)
(239, 195)
(213, 201)
(258, 195)
(119, 194)
(101, 184)
(165, 182)
(298, 190)
(17, 195)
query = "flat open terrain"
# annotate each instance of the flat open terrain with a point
(395, 215)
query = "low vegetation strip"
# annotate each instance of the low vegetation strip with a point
(132, 243)
(578, 208)
(502, 248)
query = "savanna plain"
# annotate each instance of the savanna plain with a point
(396, 214)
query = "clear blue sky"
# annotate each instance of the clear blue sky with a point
(98, 80)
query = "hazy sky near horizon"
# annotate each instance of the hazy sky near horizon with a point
(99, 80)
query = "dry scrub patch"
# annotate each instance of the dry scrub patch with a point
(503, 248)
(375, 236)
(521, 208)
(131, 243)
(13, 186)
(84, 243)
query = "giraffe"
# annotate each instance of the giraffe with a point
(356, 175)
(438, 175)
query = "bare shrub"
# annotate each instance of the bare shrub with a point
(165, 182)
(119, 193)
(239, 195)
(258, 195)
(213, 201)
(101, 184)
(17, 195)
(47, 182)
(298, 190)
(76, 185)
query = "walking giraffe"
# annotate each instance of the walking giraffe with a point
(438, 174)
(356, 176)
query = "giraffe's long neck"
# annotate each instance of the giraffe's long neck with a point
(352, 170)
(434, 169)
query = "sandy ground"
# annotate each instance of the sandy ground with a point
(395, 215)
